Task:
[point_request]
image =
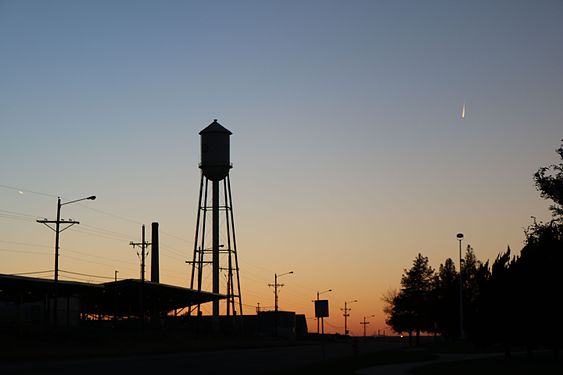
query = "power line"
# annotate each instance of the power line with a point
(17, 217)
(111, 214)
(88, 230)
(172, 250)
(176, 237)
(20, 214)
(25, 244)
(103, 212)
(22, 252)
(66, 256)
(72, 278)
(22, 190)
(174, 257)
(30, 273)
(96, 234)
(98, 256)
(85, 274)
(103, 230)
(334, 326)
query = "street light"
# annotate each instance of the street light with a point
(461, 333)
(346, 309)
(276, 285)
(57, 229)
(364, 323)
(322, 319)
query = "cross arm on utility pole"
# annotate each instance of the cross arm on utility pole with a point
(144, 251)
(61, 221)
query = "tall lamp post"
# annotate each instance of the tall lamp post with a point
(346, 310)
(461, 333)
(276, 285)
(318, 294)
(57, 229)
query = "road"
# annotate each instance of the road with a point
(248, 361)
(406, 368)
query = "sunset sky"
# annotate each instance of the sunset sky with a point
(348, 148)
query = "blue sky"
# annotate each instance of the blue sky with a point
(348, 148)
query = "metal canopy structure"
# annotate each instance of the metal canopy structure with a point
(157, 296)
(113, 298)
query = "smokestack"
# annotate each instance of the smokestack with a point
(154, 254)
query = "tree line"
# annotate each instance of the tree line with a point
(514, 300)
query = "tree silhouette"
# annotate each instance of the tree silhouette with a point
(515, 301)
(446, 295)
(496, 303)
(399, 316)
(539, 266)
(537, 278)
(412, 305)
(475, 276)
(549, 181)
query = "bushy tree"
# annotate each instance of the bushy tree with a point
(412, 305)
(549, 181)
(446, 296)
(539, 284)
(515, 301)
(521, 295)
(474, 275)
(539, 265)
(496, 315)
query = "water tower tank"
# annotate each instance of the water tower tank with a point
(215, 151)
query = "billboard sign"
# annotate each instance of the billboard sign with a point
(321, 308)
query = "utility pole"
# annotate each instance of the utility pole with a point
(143, 244)
(275, 285)
(365, 323)
(346, 314)
(57, 229)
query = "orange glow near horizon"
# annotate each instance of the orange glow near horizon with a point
(349, 156)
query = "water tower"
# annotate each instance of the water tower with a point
(215, 166)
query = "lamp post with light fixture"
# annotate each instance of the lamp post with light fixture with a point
(346, 310)
(57, 229)
(275, 285)
(461, 332)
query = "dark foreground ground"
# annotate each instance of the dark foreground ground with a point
(156, 352)
(542, 363)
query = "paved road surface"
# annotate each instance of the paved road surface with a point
(246, 361)
(405, 368)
